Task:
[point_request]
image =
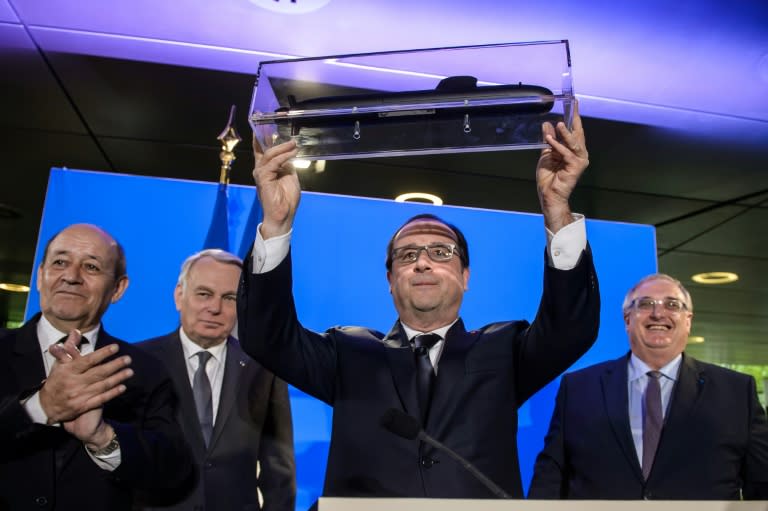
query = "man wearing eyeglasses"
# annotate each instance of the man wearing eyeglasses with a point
(656, 423)
(463, 387)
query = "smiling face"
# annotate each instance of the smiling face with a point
(657, 336)
(76, 280)
(207, 302)
(427, 294)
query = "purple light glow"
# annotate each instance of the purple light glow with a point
(693, 64)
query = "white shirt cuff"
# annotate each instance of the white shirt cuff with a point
(565, 247)
(268, 254)
(34, 409)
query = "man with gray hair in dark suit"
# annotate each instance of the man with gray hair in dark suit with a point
(655, 423)
(235, 414)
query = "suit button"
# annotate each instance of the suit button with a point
(427, 462)
(208, 465)
(41, 501)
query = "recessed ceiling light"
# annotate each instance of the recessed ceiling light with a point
(715, 277)
(695, 339)
(419, 197)
(14, 288)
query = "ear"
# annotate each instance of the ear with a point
(178, 294)
(120, 287)
(465, 275)
(688, 321)
(39, 277)
(389, 280)
(626, 320)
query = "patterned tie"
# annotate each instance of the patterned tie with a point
(653, 421)
(201, 388)
(425, 373)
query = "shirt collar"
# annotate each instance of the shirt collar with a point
(47, 334)
(191, 349)
(442, 331)
(638, 369)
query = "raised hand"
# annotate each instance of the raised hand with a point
(78, 384)
(278, 187)
(559, 169)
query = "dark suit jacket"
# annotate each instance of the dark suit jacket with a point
(714, 441)
(253, 424)
(483, 377)
(43, 467)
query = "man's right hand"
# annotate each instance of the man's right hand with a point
(278, 187)
(78, 384)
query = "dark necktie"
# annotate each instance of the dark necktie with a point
(201, 388)
(653, 421)
(83, 340)
(425, 373)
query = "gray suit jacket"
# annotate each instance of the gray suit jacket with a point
(253, 425)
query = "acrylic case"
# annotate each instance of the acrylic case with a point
(439, 100)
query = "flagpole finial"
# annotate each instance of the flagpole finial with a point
(229, 139)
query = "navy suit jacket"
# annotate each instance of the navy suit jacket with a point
(483, 377)
(253, 424)
(44, 467)
(714, 443)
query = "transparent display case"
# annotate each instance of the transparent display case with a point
(440, 100)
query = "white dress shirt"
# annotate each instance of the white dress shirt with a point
(214, 368)
(637, 381)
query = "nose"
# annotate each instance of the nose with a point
(72, 274)
(658, 310)
(423, 262)
(214, 306)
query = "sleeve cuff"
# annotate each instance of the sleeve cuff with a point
(34, 409)
(564, 248)
(268, 254)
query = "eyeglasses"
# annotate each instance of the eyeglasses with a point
(647, 304)
(437, 252)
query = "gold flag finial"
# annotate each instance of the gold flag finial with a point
(229, 139)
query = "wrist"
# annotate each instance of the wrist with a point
(101, 439)
(111, 446)
(556, 219)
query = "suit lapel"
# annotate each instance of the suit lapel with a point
(235, 363)
(451, 370)
(173, 357)
(615, 395)
(402, 365)
(685, 398)
(28, 364)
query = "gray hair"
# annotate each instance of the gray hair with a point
(216, 254)
(658, 276)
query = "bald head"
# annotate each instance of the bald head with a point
(82, 273)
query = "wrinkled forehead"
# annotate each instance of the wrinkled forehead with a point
(425, 227)
(659, 288)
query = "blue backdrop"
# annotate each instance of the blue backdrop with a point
(338, 243)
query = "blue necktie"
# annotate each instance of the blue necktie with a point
(201, 389)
